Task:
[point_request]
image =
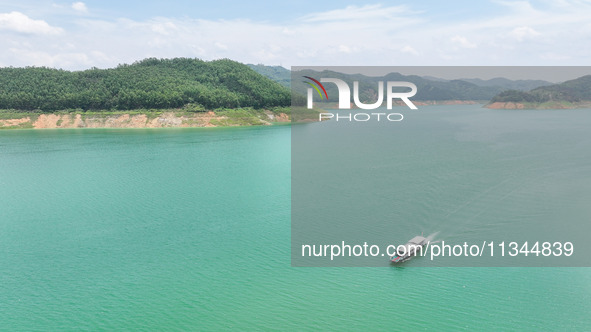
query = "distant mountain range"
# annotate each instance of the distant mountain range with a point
(275, 73)
(173, 83)
(429, 87)
(569, 94)
(523, 85)
(426, 89)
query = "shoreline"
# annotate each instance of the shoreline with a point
(143, 119)
(549, 105)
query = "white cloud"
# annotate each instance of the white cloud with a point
(462, 41)
(80, 7)
(355, 13)
(19, 22)
(554, 56)
(42, 58)
(354, 35)
(345, 49)
(522, 33)
(221, 46)
(164, 28)
(409, 49)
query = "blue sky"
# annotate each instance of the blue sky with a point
(271, 11)
(104, 33)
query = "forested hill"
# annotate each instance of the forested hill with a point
(150, 83)
(573, 91)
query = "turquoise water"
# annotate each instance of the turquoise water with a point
(189, 229)
(467, 173)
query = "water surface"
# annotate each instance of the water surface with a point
(189, 229)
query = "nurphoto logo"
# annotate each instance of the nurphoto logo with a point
(345, 93)
(344, 98)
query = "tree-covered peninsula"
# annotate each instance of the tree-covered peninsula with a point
(147, 84)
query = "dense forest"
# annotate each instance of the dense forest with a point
(150, 83)
(570, 91)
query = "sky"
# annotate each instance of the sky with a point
(76, 35)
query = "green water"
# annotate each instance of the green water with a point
(467, 173)
(189, 229)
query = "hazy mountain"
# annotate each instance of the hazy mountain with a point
(426, 89)
(429, 87)
(523, 85)
(275, 73)
(433, 78)
(573, 91)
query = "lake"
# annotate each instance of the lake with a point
(189, 229)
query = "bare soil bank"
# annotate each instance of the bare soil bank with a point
(134, 120)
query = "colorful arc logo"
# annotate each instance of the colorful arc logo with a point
(316, 87)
